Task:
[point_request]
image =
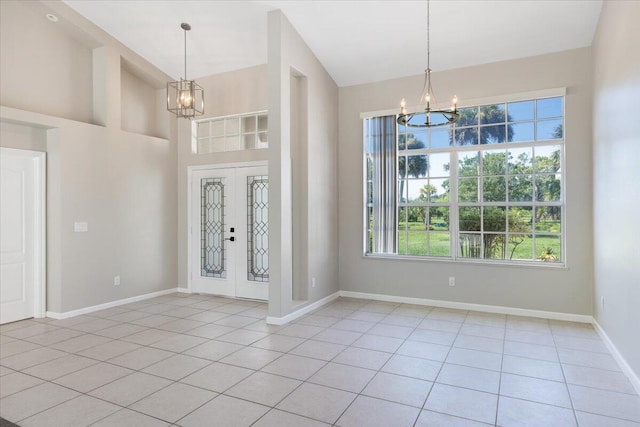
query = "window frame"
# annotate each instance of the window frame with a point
(240, 132)
(454, 205)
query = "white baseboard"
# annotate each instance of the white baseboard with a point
(278, 321)
(183, 290)
(628, 371)
(91, 309)
(582, 318)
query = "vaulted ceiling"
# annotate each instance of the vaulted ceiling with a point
(357, 41)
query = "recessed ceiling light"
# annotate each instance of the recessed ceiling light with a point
(51, 17)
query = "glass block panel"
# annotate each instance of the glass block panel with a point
(495, 134)
(492, 114)
(217, 144)
(470, 245)
(549, 107)
(202, 130)
(258, 228)
(518, 111)
(232, 126)
(249, 124)
(217, 127)
(249, 141)
(203, 145)
(549, 129)
(263, 140)
(232, 143)
(263, 123)
(519, 132)
(212, 254)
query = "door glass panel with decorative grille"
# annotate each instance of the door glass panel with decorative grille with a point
(230, 232)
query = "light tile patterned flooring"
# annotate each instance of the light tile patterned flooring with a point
(195, 360)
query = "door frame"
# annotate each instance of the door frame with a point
(190, 171)
(39, 224)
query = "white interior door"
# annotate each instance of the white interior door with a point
(229, 232)
(20, 241)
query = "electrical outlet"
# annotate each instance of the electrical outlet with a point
(313, 282)
(602, 302)
(452, 281)
(116, 280)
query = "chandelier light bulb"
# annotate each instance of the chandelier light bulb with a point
(186, 99)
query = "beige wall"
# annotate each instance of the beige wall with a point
(17, 135)
(122, 184)
(236, 92)
(316, 250)
(616, 150)
(50, 69)
(139, 105)
(560, 290)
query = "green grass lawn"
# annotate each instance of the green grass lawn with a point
(436, 243)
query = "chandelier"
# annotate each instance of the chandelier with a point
(185, 98)
(432, 116)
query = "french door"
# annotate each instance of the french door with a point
(229, 232)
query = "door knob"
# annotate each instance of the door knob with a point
(233, 239)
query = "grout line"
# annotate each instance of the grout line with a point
(343, 312)
(504, 340)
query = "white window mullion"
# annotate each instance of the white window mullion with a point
(453, 205)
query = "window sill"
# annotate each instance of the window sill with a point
(466, 261)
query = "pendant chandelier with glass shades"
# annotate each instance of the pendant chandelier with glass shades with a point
(429, 117)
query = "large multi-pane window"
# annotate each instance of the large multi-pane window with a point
(489, 187)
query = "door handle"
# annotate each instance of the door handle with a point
(233, 239)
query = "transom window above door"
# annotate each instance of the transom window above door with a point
(231, 133)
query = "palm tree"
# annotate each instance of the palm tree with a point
(484, 115)
(416, 166)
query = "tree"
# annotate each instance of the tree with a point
(486, 114)
(416, 166)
